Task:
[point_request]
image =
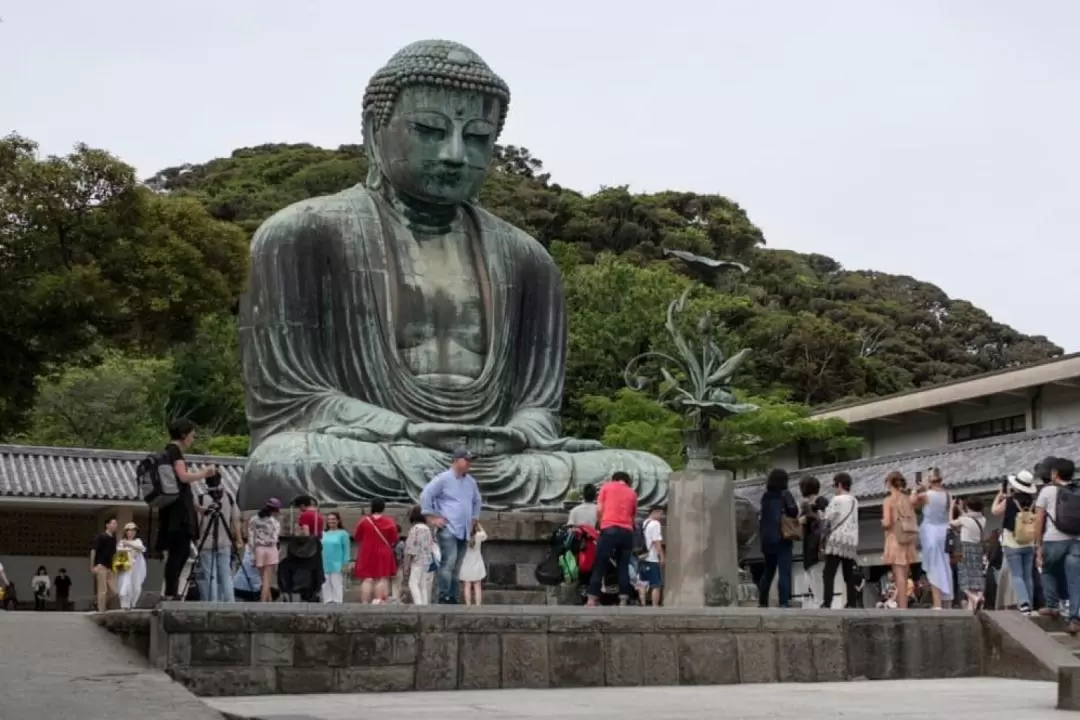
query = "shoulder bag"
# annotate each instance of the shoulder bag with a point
(829, 528)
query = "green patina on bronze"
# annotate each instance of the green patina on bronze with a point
(388, 324)
(433, 63)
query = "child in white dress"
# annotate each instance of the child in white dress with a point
(472, 571)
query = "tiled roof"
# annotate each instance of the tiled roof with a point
(963, 465)
(79, 473)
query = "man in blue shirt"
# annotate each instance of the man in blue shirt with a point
(452, 499)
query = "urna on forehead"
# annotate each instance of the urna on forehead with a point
(434, 63)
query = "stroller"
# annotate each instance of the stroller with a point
(300, 573)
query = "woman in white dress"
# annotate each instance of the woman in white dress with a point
(130, 573)
(472, 571)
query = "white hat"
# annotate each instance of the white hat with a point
(1023, 481)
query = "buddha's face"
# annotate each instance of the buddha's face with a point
(438, 143)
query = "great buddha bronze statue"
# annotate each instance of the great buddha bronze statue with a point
(390, 323)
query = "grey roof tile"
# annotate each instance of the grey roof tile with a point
(974, 463)
(81, 473)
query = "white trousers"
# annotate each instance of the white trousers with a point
(129, 593)
(333, 588)
(815, 585)
(419, 584)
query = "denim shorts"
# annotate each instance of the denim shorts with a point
(649, 572)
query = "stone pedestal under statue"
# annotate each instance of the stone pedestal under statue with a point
(702, 540)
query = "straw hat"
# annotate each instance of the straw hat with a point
(1023, 482)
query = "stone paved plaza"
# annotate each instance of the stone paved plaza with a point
(959, 699)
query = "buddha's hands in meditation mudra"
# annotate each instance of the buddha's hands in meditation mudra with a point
(387, 325)
(480, 441)
(483, 441)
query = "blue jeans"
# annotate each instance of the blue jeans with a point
(452, 550)
(1061, 561)
(217, 562)
(1021, 563)
(778, 565)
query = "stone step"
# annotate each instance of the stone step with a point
(1072, 642)
(515, 597)
(1049, 623)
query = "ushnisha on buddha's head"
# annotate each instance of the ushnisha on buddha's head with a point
(431, 118)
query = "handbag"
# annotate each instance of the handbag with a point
(952, 537)
(436, 556)
(790, 527)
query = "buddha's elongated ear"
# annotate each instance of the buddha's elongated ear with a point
(375, 175)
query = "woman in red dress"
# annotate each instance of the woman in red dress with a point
(376, 535)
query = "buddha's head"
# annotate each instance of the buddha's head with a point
(431, 118)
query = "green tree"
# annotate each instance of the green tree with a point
(744, 442)
(88, 256)
(91, 260)
(207, 386)
(634, 421)
(120, 403)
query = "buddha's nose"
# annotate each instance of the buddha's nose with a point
(453, 151)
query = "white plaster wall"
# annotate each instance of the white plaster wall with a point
(786, 459)
(1060, 406)
(916, 432)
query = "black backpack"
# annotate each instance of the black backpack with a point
(549, 572)
(640, 546)
(1067, 509)
(156, 480)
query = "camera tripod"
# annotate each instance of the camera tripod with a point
(215, 525)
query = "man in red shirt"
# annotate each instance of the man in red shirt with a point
(615, 510)
(310, 519)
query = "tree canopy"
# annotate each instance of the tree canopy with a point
(98, 270)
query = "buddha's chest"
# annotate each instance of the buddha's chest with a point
(440, 319)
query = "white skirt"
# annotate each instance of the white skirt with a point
(472, 567)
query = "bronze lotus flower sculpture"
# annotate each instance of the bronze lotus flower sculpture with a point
(697, 383)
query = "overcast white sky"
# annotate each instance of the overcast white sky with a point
(935, 138)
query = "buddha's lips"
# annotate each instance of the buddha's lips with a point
(447, 177)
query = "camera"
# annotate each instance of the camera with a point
(214, 487)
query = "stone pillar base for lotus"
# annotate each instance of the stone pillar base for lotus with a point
(701, 540)
(706, 521)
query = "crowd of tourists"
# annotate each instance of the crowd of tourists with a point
(1032, 562)
(210, 554)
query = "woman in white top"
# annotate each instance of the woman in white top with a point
(129, 581)
(472, 571)
(933, 536)
(1014, 504)
(841, 546)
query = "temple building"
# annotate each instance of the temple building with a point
(977, 431)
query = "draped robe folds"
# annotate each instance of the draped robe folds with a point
(329, 398)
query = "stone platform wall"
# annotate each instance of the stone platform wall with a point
(223, 650)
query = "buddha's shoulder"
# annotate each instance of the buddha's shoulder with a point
(306, 218)
(491, 223)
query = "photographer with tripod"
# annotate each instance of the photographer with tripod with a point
(219, 535)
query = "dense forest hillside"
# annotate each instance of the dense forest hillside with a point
(122, 294)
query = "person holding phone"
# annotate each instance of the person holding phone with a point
(1014, 504)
